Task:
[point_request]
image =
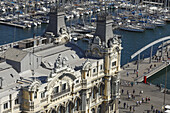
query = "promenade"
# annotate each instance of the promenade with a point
(132, 84)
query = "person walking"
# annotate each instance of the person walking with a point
(127, 74)
(122, 91)
(127, 106)
(127, 92)
(151, 107)
(119, 101)
(133, 91)
(130, 108)
(149, 99)
(124, 105)
(137, 103)
(142, 100)
(146, 99)
(133, 108)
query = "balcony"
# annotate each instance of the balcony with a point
(54, 96)
(31, 104)
(7, 111)
(16, 107)
(84, 83)
(43, 100)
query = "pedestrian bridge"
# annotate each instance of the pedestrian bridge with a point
(150, 45)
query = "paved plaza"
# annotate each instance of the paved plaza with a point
(134, 92)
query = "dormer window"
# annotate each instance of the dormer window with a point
(6, 105)
(114, 63)
(35, 95)
(94, 70)
(64, 86)
(42, 94)
(101, 67)
(56, 89)
(16, 101)
(12, 75)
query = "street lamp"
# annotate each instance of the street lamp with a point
(167, 62)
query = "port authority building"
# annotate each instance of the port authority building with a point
(62, 78)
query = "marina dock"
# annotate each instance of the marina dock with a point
(12, 24)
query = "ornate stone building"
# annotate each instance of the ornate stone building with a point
(64, 78)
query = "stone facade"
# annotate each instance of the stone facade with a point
(69, 80)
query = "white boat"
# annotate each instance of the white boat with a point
(158, 22)
(2, 19)
(149, 26)
(28, 25)
(38, 22)
(35, 24)
(167, 18)
(132, 28)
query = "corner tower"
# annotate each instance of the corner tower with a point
(56, 21)
(104, 27)
(107, 46)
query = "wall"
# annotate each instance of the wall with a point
(14, 64)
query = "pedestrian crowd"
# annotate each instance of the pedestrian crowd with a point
(131, 96)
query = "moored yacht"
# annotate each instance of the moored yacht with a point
(132, 28)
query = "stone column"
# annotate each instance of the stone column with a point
(106, 64)
(83, 100)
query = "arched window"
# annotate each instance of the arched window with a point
(61, 109)
(77, 104)
(53, 111)
(94, 92)
(93, 110)
(69, 107)
(101, 89)
(99, 109)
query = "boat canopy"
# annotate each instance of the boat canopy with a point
(140, 14)
(167, 111)
(125, 17)
(153, 8)
(81, 9)
(167, 107)
(133, 12)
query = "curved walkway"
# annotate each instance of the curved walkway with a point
(150, 45)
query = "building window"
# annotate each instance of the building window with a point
(56, 89)
(88, 73)
(101, 67)
(64, 86)
(16, 101)
(114, 63)
(6, 105)
(77, 81)
(35, 94)
(42, 94)
(94, 70)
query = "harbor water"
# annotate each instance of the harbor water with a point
(131, 41)
(159, 78)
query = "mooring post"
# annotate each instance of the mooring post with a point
(151, 55)
(138, 62)
(162, 49)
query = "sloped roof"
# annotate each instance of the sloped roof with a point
(8, 74)
(14, 54)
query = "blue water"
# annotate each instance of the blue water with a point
(159, 78)
(131, 41)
